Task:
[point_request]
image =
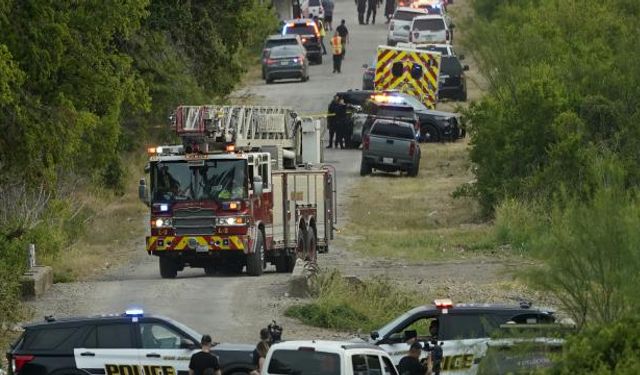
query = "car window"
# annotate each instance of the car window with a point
(285, 51)
(281, 42)
(314, 3)
(450, 65)
(113, 336)
(389, 368)
(458, 327)
(51, 339)
(431, 24)
(366, 364)
(300, 362)
(300, 29)
(159, 336)
(424, 328)
(404, 112)
(405, 16)
(391, 129)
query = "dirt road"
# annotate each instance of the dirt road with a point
(235, 308)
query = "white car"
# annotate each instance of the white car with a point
(430, 29)
(312, 8)
(320, 357)
(400, 24)
(444, 49)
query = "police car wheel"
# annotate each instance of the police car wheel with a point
(255, 260)
(168, 268)
(430, 134)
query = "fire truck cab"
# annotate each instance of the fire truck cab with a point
(239, 192)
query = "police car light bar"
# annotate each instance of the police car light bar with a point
(443, 303)
(387, 99)
(134, 312)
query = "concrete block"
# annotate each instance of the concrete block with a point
(299, 281)
(36, 281)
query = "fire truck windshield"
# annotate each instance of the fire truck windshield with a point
(216, 180)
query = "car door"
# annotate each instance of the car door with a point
(164, 350)
(464, 339)
(108, 349)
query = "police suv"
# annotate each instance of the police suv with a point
(464, 332)
(127, 344)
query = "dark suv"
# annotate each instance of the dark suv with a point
(452, 81)
(275, 41)
(310, 36)
(127, 344)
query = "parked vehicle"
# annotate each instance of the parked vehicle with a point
(390, 146)
(452, 83)
(310, 35)
(430, 29)
(311, 8)
(319, 357)
(279, 40)
(400, 24)
(286, 62)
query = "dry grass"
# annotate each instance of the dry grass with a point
(417, 218)
(112, 235)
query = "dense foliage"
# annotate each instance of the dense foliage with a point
(81, 82)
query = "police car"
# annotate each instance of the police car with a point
(462, 331)
(128, 344)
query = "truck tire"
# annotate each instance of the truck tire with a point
(283, 263)
(168, 268)
(301, 247)
(413, 172)
(365, 168)
(430, 133)
(311, 247)
(255, 260)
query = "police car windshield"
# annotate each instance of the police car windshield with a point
(413, 102)
(186, 329)
(202, 180)
(301, 362)
(431, 24)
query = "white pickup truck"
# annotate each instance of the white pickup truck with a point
(318, 357)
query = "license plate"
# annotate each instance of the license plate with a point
(202, 248)
(284, 63)
(387, 160)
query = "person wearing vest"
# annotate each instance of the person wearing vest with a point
(336, 49)
(322, 32)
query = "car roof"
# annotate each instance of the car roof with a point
(429, 16)
(325, 345)
(300, 20)
(280, 36)
(51, 321)
(408, 9)
(486, 307)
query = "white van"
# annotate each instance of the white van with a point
(400, 24)
(318, 357)
(312, 8)
(430, 29)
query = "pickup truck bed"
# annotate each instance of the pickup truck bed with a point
(390, 146)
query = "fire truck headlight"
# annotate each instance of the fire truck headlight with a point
(231, 220)
(162, 222)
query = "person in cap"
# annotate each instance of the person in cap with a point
(204, 362)
(410, 364)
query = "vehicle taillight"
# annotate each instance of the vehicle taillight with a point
(412, 148)
(271, 61)
(18, 362)
(304, 40)
(391, 26)
(365, 142)
(301, 57)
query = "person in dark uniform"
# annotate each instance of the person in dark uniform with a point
(389, 8)
(410, 364)
(344, 35)
(331, 120)
(362, 7)
(204, 362)
(372, 8)
(341, 123)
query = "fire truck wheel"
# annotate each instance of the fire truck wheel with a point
(300, 246)
(255, 260)
(168, 268)
(312, 248)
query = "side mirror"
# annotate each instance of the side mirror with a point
(374, 335)
(143, 193)
(257, 185)
(465, 68)
(188, 344)
(461, 57)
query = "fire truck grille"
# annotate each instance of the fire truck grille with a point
(194, 222)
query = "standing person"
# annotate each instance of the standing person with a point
(362, 7)
(320, 26)
(204, 361)
(337, 49)
(344, 34)
(410, 364)
(341, 123)
(260, 352)
(328, 13)
(389, 8)
(331, 120)
(372, 9)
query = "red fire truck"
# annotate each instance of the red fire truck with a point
(244, 189)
